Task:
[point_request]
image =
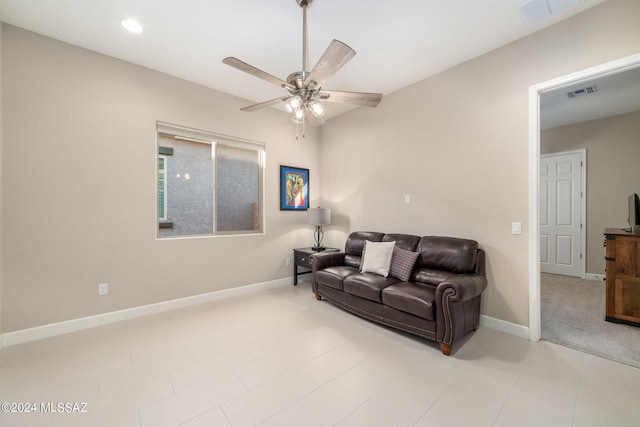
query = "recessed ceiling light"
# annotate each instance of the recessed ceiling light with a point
(131, 25)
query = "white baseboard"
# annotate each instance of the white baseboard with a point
(503, 326)
(74, 325)
(598, 277)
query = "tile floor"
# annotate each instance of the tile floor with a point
(280, 358)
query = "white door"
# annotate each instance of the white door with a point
(561, 213)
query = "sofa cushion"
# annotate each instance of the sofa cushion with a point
(408, 242)
(376, 257)
(448, 253)
(411, 298)
(368, 285)
(402, 263)
(430, 276)
(334, 276)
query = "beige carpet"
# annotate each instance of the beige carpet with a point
(573, 311)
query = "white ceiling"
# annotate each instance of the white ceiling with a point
(398, 43)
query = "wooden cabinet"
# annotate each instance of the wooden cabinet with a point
(623, 276)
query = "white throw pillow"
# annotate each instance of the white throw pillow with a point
(377, 257)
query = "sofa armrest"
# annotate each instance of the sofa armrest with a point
(458, 306)
(326, 259)
(321, 261)
(461, 288)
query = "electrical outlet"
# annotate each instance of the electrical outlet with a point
(287, 261)
(103, 289)
(407, 199)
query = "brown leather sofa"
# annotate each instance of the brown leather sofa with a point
(440, 301)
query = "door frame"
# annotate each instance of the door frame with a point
(583, 205)
(619, 65)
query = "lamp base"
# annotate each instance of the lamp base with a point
(318, 235)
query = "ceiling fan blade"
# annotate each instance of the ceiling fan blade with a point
(334, 58)
(250, 69)
(355, 98)
(269, 103)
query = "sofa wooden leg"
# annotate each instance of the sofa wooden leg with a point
(318, 297)
(446, 349)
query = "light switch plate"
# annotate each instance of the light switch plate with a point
(516, 228)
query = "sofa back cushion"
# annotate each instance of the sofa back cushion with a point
(355, 245)
(407, 242)
(447, 254)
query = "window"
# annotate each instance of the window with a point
(208, 184)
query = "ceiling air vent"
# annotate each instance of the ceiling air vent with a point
(582, 92)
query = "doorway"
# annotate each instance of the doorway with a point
(535, 91)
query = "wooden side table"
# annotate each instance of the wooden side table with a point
(301, 259)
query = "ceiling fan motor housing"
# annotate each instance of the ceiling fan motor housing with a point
(298, 88)
(298, 78)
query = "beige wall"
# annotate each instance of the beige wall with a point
(613, 172)
(458, 144)
(79, 196)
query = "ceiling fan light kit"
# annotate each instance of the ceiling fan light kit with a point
(305, 88)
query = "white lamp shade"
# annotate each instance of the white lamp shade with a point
(319, 216)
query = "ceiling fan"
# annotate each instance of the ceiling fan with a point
(304, 87)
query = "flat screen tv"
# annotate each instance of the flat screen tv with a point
(634, 210)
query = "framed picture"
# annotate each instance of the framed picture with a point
(294, 188)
